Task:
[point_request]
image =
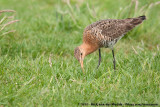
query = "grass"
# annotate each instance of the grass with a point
(38, 68)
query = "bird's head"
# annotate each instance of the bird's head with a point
(79, 55)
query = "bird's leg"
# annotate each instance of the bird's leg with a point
(114, 61)
(99, 62)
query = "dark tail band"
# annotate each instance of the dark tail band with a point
(143, 17)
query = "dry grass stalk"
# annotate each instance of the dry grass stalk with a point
(8, 24)
(1, 11)
(136, 5)
(11, 17)
(3, 19)
(8, 32)
(142, 9)
(154, 4)
(134, 50)
(71, 10)
(4, 11)
(140, 48)
(158, 47)
(50, 60)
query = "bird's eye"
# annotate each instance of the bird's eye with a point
(81, 53)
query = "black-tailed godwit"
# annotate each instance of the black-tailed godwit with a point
(104, 33)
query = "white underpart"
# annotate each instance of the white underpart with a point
(112, 43)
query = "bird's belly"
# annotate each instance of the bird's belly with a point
(110, 44)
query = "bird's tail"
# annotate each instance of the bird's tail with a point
(142, 17)
(138, 20)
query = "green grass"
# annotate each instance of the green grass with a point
(37, 64)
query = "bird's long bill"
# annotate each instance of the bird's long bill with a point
(81, 62)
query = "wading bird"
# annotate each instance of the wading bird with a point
(104, 33)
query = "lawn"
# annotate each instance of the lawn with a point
(37, 64)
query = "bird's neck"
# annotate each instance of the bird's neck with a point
(88, 49)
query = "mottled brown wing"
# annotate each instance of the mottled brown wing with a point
(105, 30)
(114, 28)
(110, 29)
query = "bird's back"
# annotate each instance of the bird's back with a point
(107, 32)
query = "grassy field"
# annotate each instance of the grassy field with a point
(37, 64)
